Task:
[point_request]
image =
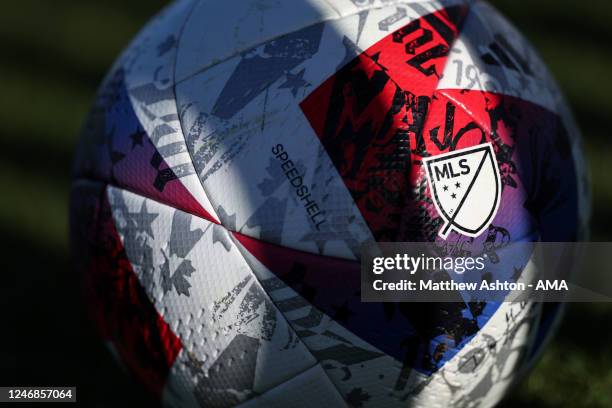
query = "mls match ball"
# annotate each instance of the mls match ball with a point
(239, 154)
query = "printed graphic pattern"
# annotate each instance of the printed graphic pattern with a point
(225, 183)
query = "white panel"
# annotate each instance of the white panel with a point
(218, 30)
(246, 182)
(235, 341)
(491, 55)
(309, 389)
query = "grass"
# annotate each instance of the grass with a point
(55, 54)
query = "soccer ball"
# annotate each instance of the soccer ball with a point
(240, 153)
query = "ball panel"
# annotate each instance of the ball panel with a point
(238, 26)
(353, 365)
(116, 149)
(117, 303)
(477, 372)
(491, 55)
(236, 343)
(307, 389)
(232, 316)
(534, 153)
(282, 182)
(369, 114)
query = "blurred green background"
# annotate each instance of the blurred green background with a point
(55, 53)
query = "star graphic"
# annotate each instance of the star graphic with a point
(137, 137)
(445, 188)
(144, 219)
(457, 184)
(454, 195)
(295, 82)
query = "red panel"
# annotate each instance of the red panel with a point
(370, 114)
(120, 308)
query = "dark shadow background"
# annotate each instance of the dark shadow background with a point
(53, 56)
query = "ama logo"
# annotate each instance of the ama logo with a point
(466, 188)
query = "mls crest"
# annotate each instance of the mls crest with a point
(466, 188)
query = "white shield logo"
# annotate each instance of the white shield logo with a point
(466, 188)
